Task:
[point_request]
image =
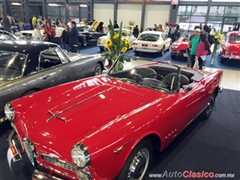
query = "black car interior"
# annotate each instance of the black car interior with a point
(49, 58)
(157, 77)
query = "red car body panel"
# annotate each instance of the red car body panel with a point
(106, 114)
(231, 49)
(179, 48)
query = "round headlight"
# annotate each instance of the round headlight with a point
(80, 155)
(9, 111)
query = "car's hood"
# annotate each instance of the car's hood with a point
(234, 44)
(70, 110)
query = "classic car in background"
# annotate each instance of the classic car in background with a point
(101, 43)
(4, 35)
(231, 47)
(88, 35)
(179, 48)
(27, 34)
(151, 41)
(30, 66)
(108, 126)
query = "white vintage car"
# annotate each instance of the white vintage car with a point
(151, 41)
(125, 33)
(27, 34)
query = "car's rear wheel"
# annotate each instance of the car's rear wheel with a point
(98, 70)
(162, 51)
(173, 56)
(136, 53)
(138, 163)
(208, 110)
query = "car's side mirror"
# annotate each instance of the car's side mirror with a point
(189, 88)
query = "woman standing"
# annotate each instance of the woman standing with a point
(49, 32)
(159, 28)
(65, 38)
(202, 50)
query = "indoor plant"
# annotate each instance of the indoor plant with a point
(116, 45)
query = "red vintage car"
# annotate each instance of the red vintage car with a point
(179, 48)
(231, 47)
(108, 126)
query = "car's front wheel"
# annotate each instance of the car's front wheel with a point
(208, 110)
(173, 56)
(162, 51)
(98, 70)
(138, 163)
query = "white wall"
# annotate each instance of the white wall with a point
(103, 12)
(156, 14)
(129, 12)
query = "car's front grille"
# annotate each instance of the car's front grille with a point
(60, 163)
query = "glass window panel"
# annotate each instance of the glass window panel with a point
(216, 11)
(232, 11)
(225, 0)
(181, 19)
(184, 10)
(1, 10)
(199, 10)
(53, 11)
(74, 11)
(215, 20)
(16, 12)
(83, 13)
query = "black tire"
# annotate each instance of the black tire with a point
(222, 60)
(162, 51)
(136, 53)
(208, 110)
(102, 49)
(98, 69)
(29, 92)
(143, 147)
(173, 56)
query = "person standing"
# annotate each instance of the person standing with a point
(65, 38)
(194, 41)
(177, 33)
(59, 31)
(36, 35)
(7, 24)
(202, 50)
(49, 32)
(69, 23)
(166, 30)
(34, 21)
(115, 24)
(39, 21)
(136, 31)
(159, 28)
(73, 38)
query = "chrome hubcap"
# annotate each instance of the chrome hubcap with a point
(210, 105)
(139, 165)
(98, 71)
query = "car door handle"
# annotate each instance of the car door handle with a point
(47, 76)
(202, 91)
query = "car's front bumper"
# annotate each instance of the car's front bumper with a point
(3, 119)
(38, 175)
(230, 57)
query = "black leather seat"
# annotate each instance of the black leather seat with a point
(146, 72)
(172, 78)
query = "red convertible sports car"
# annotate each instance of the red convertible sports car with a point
(231, 47)
(108, 126)
(179, 48)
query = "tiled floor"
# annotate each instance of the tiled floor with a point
(230, 80)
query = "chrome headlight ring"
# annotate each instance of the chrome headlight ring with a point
(9, 111)
(80, 155)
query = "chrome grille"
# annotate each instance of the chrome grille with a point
(60, 163)
(29, 148)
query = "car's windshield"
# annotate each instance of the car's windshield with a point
(12, 65)
(149, 37)
(234, 38)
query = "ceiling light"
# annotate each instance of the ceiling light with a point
(83, 5)
(16, 4)
(51, 4)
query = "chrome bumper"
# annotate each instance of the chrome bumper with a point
(3, 119)
(38, 175)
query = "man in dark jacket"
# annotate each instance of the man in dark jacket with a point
(136, 31)
(7, 23)
(73, 38)
(115, 24)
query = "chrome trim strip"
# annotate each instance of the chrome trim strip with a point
(38, 175)
(3, 119)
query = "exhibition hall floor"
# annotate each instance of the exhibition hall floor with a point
(211, 146)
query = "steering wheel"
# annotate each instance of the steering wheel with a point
(161, 76)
